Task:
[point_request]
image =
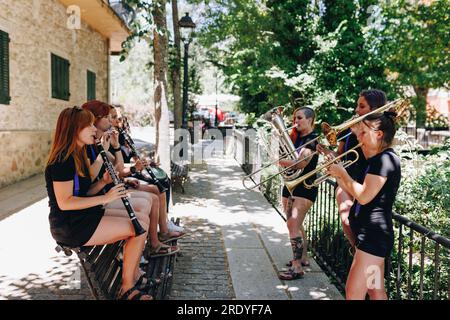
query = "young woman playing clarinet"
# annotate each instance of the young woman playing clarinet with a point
(368, 100)
(302, 197)
(371, 214)
(77, 217)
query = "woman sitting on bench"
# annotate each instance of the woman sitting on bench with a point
(77, 218)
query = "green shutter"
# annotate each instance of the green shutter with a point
(91, 86)
(4, 68)
(60, 78)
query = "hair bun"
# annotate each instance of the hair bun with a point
(391, 114)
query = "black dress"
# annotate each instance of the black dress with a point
(300, 190)
(372, 223)
(71, 227)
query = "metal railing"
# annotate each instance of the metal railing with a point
(419, 266)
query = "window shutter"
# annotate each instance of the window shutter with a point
(60, 78)
(91, 85)
(4, 68)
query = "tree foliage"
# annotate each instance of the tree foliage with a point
(294, 52)
(416, 47)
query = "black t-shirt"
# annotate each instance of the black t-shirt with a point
(350, 141)
(377, 214)
(312, 146)
(64, 222)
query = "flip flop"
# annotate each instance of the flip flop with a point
(162, 251)
(165, 237)
(291, 274)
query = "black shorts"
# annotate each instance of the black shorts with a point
(375, 242)
(77, 228)
(302, 192)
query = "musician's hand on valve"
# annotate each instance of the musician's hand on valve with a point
(116, 192)
(285, 163)
(336, 170)
(326, 152)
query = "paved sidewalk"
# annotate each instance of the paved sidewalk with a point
(254, 235)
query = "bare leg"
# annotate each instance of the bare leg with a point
(295, 225)
(345, 202)
(115, 228)
(366, 276)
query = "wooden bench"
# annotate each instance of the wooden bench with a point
(102, 266)
(179, 175)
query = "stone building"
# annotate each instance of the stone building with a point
(53, 54)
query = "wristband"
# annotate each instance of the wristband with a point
(117, 150)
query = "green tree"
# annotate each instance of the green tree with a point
(416, 47)
(291, 52)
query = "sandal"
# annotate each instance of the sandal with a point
(137, 296)
(291, 274)
(307, 264)
(145, 284)
(166, 237)
(161, 251)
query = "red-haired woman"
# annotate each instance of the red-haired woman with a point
(77, 217)
(302, 198)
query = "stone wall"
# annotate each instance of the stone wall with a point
(38, 28)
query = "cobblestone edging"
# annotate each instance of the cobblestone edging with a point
(201, 272)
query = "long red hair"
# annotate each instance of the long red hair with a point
(70, 123)
(308, 115)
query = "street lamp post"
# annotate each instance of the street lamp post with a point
(186, 28)
(216, 120)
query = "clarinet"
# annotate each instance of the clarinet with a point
(134, 151)
(137, 226)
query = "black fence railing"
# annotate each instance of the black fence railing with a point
(419, 266)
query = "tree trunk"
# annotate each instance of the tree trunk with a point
(421, 106)
(160, 81)
(176, 70)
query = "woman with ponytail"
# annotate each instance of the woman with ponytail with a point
(370, 216)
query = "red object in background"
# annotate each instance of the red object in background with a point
(220, 115)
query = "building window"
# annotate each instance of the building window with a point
(4, 68)
(60, 78)
(91, 85)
